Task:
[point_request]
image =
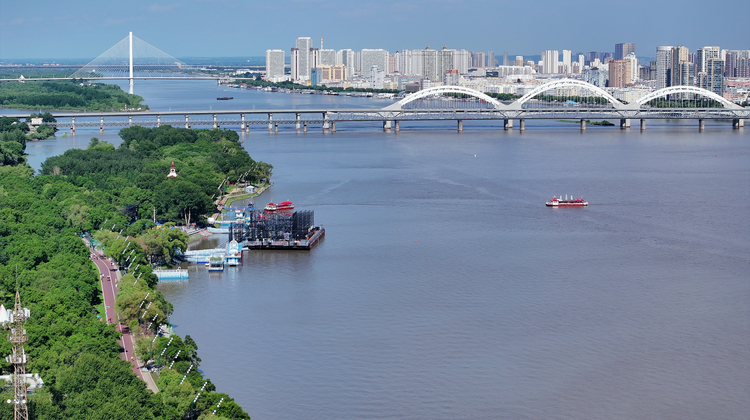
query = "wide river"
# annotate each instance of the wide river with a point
(445, 289)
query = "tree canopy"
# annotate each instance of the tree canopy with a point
(107, 191)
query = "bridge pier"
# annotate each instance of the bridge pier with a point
(130, 120)
(101, 125)
(242, 123)
(738, 123)
(624, 123)
(521, 125)
(326, 124)
(187, 121)
(333, 126)
(276, 127)
(508, 124)
(460, 125)
(701, 124)
(216, 124)
(270, 122)
(304, 127)
(297, 117)
(72, 126)
(158, 120)
(643, 124)
(386, 125)
(583, 125)
(396, 126)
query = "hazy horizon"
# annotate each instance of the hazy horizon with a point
(205, 28)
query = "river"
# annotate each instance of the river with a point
(445, 289)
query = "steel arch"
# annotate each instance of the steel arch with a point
(686, 89)
(563, 83)
(445, 89)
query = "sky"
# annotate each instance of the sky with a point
(57, 29)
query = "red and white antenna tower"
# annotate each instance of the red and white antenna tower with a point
(18, 358)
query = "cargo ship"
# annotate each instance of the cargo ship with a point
(572, 202)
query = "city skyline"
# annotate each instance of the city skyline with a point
(87, 31)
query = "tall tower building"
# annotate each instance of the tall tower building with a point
(446, 60)
(491, 59)
(566, 61)
(663, 64)
(326, 57)
(633, 66)
(346, 58)
(505, 59)
(430, 64)
(679, 55)
(620, 73)
(303, 45)
(622, 50)
(294, 64)
(519, 60)
(713, 79)
(377, 57)
(550, 60)
(703, 55)
(274, 64)
(462, 61)
(478, 60)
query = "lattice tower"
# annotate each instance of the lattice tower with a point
(18, 358)
(145, 59)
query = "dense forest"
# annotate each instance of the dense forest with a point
(68, 95)
(135, 173)
(107, 191)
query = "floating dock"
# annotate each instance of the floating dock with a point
(308, 243)
(173, 275)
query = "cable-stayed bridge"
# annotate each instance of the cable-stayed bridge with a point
(132, 58)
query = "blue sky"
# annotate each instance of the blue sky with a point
(207, 28)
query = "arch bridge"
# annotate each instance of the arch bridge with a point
(560, 99)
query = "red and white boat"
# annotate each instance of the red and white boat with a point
(271, 207)
(285, 205)
(572, 202)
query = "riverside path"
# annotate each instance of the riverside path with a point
(109, 276)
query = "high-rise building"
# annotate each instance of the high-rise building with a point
(596, 76)
(326, 57)
(302, 71)
(505, 58)
(430, 64)
(519, 60)
(274, 65)
(620, 73)
(663, 64)
(622, 50)
(445, 60)
(462, 61)
(581, 63)
(566, 61)
(346, 58)
(374, 57)
(703, 55)
(478, 60)
(679, 56)
(294, 64)
(491, 59)
(736, 63)
(550, 60)
(633, 66)
(713, 79)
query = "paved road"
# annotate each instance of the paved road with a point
(109, 277)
